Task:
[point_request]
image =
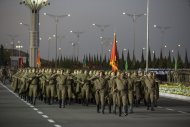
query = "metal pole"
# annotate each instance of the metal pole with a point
(56, 43)
(134, 37)
(147, 37)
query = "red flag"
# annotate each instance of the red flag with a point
(38, 58)
(114, 55)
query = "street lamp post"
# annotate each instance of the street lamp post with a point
(13, 41)
(102, 29)
(60, 46)
(162, 30)
(35, 6)
(176, 58)
(56, 18)
(77, 33)
(19, 47)
(49, 39)
(134, 18)
(147, 35)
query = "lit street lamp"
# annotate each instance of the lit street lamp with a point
(13, 37)
(176, 58)
(102, 29)
(77, 34)
(162, 30)
(19, 47)
(35, 6)
(134, 18)
(56, 18)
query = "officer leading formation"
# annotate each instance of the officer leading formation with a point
(119, 91)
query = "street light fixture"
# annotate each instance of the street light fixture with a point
(162, 30)
(102, 29)
(19, 46)
(56, 18)
(77, 34)
(35, 6)
(134, 17)
(13, 37)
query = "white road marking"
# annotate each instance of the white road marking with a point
(35, 109)
(182, 112)
(45, 116)
(39, 112)
(160, 107)
(31, 106)
(56, 125)
(170, 109)
(51, 121)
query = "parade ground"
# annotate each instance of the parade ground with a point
(17, 112)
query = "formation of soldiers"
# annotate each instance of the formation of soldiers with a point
(122, 90)
(178, 76)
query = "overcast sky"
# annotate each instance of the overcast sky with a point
(172, 13)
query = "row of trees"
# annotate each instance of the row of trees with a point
(99, 62)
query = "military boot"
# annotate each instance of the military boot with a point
(125, 109)
(60, 103)
(98, 108)
(103, 107)
(109, 108)
(152, 106)
(114, 109)
(49, 101)
(131, 108)
(34, 101)
(119, 110)
(63, 103)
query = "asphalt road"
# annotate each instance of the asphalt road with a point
(15, 112)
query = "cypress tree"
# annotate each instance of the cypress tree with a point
(128, 60)
(186, 63)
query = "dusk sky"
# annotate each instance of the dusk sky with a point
(172, 13)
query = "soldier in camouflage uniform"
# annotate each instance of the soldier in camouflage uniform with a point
(122, 93)
(149, 90)
(61, 88)
(112, 92)
(100, 90)
(130, 91)
(69, 85)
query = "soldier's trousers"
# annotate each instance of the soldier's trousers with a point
(85, 93)
(50, 91)
(33, 90)
(100, 99)
(61, 93)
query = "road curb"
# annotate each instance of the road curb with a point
(175, 96)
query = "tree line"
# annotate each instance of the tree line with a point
(98, 61)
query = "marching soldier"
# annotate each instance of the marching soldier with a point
(34, 85)
(122, 92)
(100, 88)
(61, 88)
(149, 90)
(69, 84)
(112, 91)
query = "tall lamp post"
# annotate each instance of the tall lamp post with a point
(162, 30)
(134, 18)
(77, 33)
(176, 58)
(102, 29)
(35, 6)
(13, 37)
(56, 18)
(147, 34)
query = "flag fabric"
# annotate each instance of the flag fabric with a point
(126, 65)
(114, 55)
(38, 59)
